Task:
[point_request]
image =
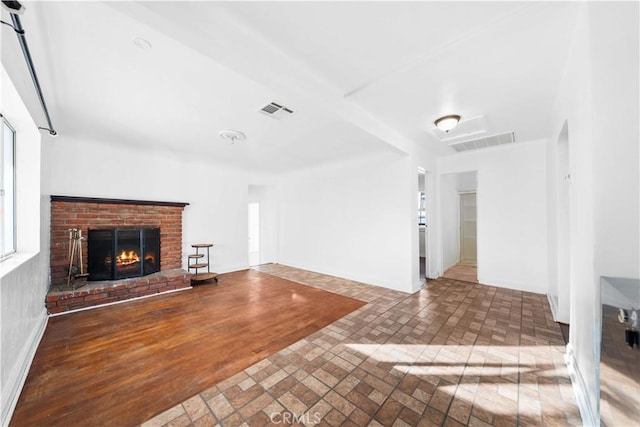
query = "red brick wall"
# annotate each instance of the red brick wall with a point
(98, 215)
(105, 292)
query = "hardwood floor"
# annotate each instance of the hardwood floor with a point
(123, 364)
(455, 353)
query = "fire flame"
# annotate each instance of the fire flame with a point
(127, 258)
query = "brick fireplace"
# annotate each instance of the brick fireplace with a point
(87, 214)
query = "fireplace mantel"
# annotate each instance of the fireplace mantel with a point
(76, 199)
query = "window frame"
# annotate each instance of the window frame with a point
(422, 208)
(4, 253)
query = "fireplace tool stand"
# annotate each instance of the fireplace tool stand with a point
(76, 266)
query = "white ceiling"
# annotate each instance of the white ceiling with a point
(347, 69)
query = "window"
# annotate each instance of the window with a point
(7, 189)
(422, 211)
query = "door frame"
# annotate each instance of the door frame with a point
(460, 237)
(258, 204)
(561, 307)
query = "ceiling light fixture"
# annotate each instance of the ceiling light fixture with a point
(232, 136)
(142, 43)
(446, 123)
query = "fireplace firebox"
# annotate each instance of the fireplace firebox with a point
(123, 252)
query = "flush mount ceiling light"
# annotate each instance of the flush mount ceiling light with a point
(232, 136)
(446, 123)
(142, 43)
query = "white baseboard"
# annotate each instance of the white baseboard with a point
(553, 303)
(367, 280)
(13, 387)
(589, 416)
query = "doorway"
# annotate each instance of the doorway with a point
(422, 226)
(254, 234)
(458, 226)
(468, 229)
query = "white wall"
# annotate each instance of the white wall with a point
(266, 196)
(598, 98)
(217, 196)
(449, 220)
(23, 277)
(512, 209)
(467, 181)
(615, 73)
(354, 219)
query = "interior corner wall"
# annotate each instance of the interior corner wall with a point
(449, 220)
(217, 196)
(352, 219)
(432, 264)
(614, 71)
(511, 213)
(599, 87)
(24, 276)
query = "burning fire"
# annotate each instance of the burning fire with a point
(127, 258)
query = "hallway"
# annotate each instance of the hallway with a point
(465, 273)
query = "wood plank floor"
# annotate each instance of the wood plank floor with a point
(454, 353)
(123, 364)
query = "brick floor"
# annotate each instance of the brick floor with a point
(455, 353)
(466, 273)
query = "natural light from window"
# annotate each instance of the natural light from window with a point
(7, 190)
(500, 379)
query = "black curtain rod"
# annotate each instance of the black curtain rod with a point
(17, 26)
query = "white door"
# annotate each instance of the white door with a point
(254, 234)
(468, 229)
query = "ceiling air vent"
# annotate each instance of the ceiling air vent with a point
(487, 141)
(276, 111)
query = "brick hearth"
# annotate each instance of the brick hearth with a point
(103, 292)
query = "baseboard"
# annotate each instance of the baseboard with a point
(553, 303)
(540, 289)
(446, 267)
(374, 281)
(234, 268)
(589, 416)
(13, 387)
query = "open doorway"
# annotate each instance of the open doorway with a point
(254, 234)
(262, 225)
(459, 225)
(422, 226)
